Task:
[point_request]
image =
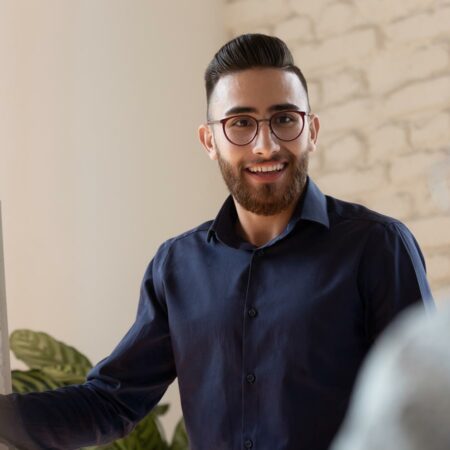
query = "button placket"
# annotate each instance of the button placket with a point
(250, 361)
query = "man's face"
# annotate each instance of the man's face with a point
(260, 93)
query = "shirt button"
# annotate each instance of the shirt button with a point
(252, 312)
(248, 443)
(251, 378)
(260, 253)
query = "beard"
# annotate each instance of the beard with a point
(267, 199)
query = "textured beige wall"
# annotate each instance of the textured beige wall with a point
(99, 160)
(379, 77)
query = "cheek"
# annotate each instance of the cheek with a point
(231, 156)
(301, 146)
(310, 147)
(295, 148)
(235, 161)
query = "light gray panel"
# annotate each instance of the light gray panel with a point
(5, 371)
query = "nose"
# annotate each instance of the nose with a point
(265, 142)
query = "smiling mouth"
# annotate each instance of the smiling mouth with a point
(267, 169)
(268, 173)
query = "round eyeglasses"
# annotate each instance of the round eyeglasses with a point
(242, 129)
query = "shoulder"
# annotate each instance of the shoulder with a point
(373, 227)
(341, 210)
(156, 268)
(194, 236)
(199, 231)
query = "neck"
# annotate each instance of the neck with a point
(258, 230)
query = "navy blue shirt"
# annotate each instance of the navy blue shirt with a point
(266, 342)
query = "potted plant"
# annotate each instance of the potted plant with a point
(54, 364)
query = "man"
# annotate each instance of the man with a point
(264, 314)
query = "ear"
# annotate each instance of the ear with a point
(314, 126)
(207, 139)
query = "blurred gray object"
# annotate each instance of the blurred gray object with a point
(439, 184)
(402, 397)
(5, 372)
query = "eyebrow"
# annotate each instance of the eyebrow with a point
(249, 109)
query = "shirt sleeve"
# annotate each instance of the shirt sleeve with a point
(392, 276)
(120, 390)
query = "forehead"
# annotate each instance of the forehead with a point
(257, 88)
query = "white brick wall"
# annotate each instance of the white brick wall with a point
(342, 85)
(417, 28)
(337, 18)
(336, 51)
(432, 231)
(431, 131)
(432, 94)
(387, 141)
(391, 69)
(350, 115)
(391, 201)
(383, 12)
(411, 167)
(242, 14)
(379, 77)
(344, 153)
(299, 28)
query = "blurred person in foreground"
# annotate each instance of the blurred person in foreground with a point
(265, 313)
(402, 396)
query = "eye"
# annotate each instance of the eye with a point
(241, 122)
(285, 119)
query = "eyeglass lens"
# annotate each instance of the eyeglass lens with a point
(285, 125)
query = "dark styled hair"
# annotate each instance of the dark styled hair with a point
(249, 51)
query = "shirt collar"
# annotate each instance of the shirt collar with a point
(312, 207)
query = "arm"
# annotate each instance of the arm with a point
(391, 276)
(118, 392)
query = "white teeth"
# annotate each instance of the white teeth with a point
(266, 168)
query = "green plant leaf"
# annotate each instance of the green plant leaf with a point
(64, 374)
(32, 381)
(148, 435)
(112, 446)
(38, 350)
(54, 364)
(160, 409)
(180, 438)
